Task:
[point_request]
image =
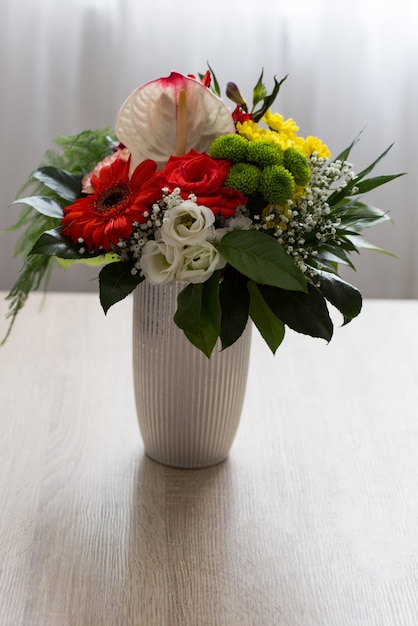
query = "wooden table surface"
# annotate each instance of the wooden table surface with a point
(312, 521)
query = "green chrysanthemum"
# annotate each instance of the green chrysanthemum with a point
(231, 147)
(297, 164)
(277, 184)
(264, 153)
(245, 177)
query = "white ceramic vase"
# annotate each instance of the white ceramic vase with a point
(188, 406)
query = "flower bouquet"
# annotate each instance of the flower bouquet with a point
(253, 219)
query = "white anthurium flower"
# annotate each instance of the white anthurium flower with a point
(199, 262)
(188, 224)
(160, 262)
(170, 116)
(234, 223)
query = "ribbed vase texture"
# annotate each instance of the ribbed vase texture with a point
(188, 406)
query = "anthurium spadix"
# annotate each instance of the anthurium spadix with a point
(170, 116)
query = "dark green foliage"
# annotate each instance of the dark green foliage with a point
(116, 281)
(54, 185)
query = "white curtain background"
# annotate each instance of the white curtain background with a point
(68, 65)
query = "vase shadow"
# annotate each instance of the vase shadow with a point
(178, 527)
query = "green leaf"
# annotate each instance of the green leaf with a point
(335, 197)
(334, 254)
(372, 165)
(268, 100)
(43, 204)
(53, 243)
(262, 259)
(66, 185)
(345, 241)
(95, 261)
(216, 88)
(235, 302)
(346, 298)
(259, 91)
(359, 242)
(199, 313)
(305, 313)
(271, 327)
(343, 156)
(116, 281)
(354, 209)
(371, 183)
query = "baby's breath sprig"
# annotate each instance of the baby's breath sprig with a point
(130, 250)
(306, 224)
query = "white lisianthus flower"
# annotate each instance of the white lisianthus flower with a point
(160, 262)
(235, 223)
(187, 224)
(199, 262)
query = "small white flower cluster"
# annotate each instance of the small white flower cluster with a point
(306, 224)
(131, 249)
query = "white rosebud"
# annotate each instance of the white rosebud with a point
(199, 262)
(188, 224)
(160, 262)
(234, 223)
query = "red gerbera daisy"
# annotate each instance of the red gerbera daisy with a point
(105, 216)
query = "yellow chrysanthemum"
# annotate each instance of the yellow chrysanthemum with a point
(282, 133)
(276, 122)
(314, 144)
(253, 132)
(250, 130)
(281, 140)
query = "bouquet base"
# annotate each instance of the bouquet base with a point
(188, 406)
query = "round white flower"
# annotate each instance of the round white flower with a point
(160, 262)
(199, 262)
(188, 224)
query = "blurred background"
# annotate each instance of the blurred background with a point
(66, 66)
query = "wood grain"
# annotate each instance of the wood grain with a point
(312, 521)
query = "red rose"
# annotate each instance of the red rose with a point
(195, 173)
(224, 202)
(204, 177)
